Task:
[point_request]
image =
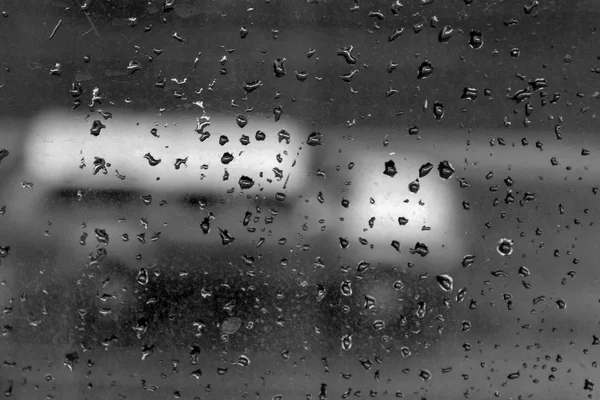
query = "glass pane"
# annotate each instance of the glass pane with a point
(280, 199)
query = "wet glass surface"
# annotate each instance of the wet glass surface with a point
(299, 199)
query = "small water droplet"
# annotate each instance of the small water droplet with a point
(420, 249)
(245, 182)
(241, 120)
(425, 375)
(231, 325)
(346, 288)
(315, 139)
(469, 94)
(445, 34)
(475, 39)
(151, 160)
(242, 361)
(344, 243)
(363, 266)
(390, 168)
(468, 260)
(445, 170)
(97, 127)
(438, 110)
(445, 282)
(346, 53)
(249, 87)
(505, 247)
(279, 67)
(514, 375)
(425, 169)
(142, 276)
(226, 158)
(425, 70)
(346, 342)
(414, 186)
(226, 238)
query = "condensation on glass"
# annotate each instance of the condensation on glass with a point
(298, 199)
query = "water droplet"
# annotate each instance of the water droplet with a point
(475, 39)
(468, 260)
(245, 182)
(142, 276)
(438, 110)
(284, 135)
(347, 77)
(344, 243)
(466, 326)
(561, 304)
(445, 281)
(514, 375)
(369, 302)
(396, 245)
(445, 34)
(315, 139)
(279, 67)
(445, 170)
(241, 120)
(425, 70)
(346, 342)
(346, 53)
(250, 87)
(396, 34)
(231, 325)
(346, 288)
(414, 186)
(505, 247)
(101, 236)
(390, 168)
(425, 375)
(363, 266)
(226, 238)
(4, 251)
(280, 197)
(345, 203)
(425, 169)
(378, 325)
(260, 136)
(205, 225)
(469, 94)
(97, 127)
(242, 361)
(366, 363)
(151, 160)
(405, 351)
(402, 221)
(420, 249)
(226, 158)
